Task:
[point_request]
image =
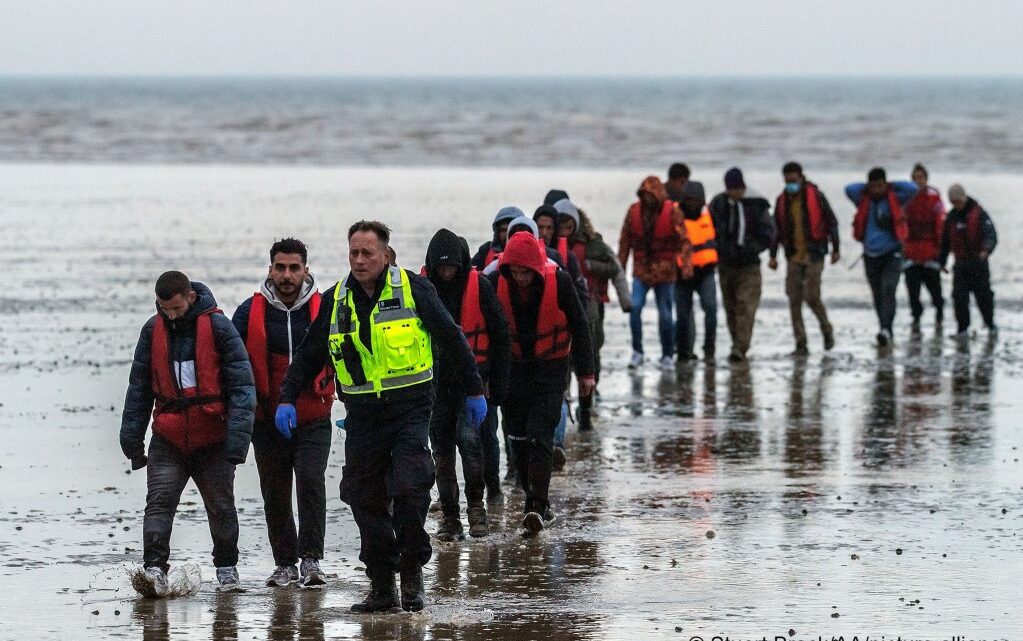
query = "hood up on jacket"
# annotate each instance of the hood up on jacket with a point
(204, 301)
(505, 214)
(523, 223)
(447, 248)
(554, 196)
(269, 292)
(566, 208)
(653, 186)
(523, 250)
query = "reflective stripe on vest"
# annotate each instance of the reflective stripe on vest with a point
(701, 235)
(474, 326)
(553, 340)
(401, 354)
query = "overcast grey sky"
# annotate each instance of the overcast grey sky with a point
(520, 38)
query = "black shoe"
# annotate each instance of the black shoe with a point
(708, 354)
(915, 326)
(413, 594)
(801, 350)
(479, 524)
(584, 419)
(383, 594)
(688, 357)
(548, 517)
(450, 529)
(532, 524)
(736, 357)
(829, 342)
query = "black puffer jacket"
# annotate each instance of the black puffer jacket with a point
(236, 378)
(447, 248)
(757, 226)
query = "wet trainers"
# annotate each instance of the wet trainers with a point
(548, 517)
(450, 529)
(667, 363)
(637, 360)
(228, 579)
(153, 583)
(312, 576)
(282, 576)
(560, 457)
(884, 338)
(532, 524)
(479, 525)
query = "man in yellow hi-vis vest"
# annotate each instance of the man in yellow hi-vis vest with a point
(379, 328)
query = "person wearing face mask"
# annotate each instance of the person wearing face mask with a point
(806, 225)
(704, 260)
(744, 228)
(273, 322)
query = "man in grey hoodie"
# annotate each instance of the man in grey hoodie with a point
(273, 322)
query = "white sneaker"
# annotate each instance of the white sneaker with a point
(637, 360)
(667, 363)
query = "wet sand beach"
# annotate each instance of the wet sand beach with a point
(858, 492)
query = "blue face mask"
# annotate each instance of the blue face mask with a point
(792, 188)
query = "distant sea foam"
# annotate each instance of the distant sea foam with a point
(966, 124)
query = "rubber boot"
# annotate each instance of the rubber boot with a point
(413, 594)
(383, 593)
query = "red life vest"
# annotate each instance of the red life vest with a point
(193, 417)
(597, 287)
(474, 326)
(965, 240)
(563, 250)
(818, 231)
(924, 222)
(553, 339)
(899, 227)
(269, 369)
(492, 255)
(666, 241)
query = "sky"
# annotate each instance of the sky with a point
(400, 38)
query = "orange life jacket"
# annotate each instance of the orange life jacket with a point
(899, 226)
(474, 326)
(193, 417)
(269, 370)
(818, 231)
(553, 339)
(701, 235)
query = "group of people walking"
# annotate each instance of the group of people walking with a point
(426, 362)
(678, 241)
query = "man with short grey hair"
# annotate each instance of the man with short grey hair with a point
(970, 235)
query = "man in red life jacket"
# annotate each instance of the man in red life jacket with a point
(970, 235)
(470, 299)
(805, 224)
(273, 322)
(654, 233)
(880, 224)
(192, 373)
(547, 325)
(925, 220)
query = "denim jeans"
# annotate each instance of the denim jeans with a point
(685, 324)
(167, 474)
(663, 294)
(562, 428)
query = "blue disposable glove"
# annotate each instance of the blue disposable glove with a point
(286, 419)
(476, 410)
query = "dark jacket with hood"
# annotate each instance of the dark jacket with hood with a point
(447, 248)
(532, 375)
(285, 327)
(735, 249)
(239, 390)
(313, 354)
(572, 264)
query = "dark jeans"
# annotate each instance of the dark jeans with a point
(685, 323)
(450, 429)
(166, 476)
(304, 459)
(491, 450)
(665, 326)
(917, 275)
(531, 420)
(883, 273)
(972, 277)
(386, 479)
